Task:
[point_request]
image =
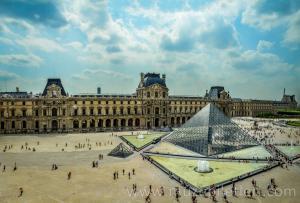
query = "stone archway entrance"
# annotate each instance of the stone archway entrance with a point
(54, 125)
(156, 122)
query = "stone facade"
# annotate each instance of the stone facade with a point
(150, 107)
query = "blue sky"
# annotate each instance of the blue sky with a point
(250, 47)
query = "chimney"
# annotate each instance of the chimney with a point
(164, 77)
(98, 90)
(17, 89)
(142, 77)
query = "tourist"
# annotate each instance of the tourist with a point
(150, 188)
(69, 175)
(15, 167)
(148, 200)
(21, 191)
(129, 175)
(123, 171)
(133, 172)
(4, 167)
(162, 192)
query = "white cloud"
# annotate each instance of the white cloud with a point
(21, 60)
(6, 76)
(292, 35)
(7, 41)
(264, 45)
(42, 44)
(75, 45)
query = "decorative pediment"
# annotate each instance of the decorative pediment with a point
(53, 91)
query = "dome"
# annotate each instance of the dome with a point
(153, 78)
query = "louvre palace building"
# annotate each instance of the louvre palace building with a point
(149, 107)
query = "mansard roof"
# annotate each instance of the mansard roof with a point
(54, 81)
(153, 78)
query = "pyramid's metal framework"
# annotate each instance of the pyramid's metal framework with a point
(120, 151)
(211, 132)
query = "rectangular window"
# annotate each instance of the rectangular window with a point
(99, 111)
(36, 112)
(24, 112)
(45, 112)
(13, 125)
(91, 111)
(12, 112)
(83, 112)
(75, 112)
(106, 111)
(64, 112)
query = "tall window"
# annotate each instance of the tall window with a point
(24, 112)
(91, 111)
(54, 112)
(36, 112)
(156, 94)
(148, 94)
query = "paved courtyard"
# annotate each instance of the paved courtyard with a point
(87, 184)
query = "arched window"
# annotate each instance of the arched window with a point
(92, 123)
(123, 122)
(130, 122)
(137, 122)
(54, 112)
(115, 122)
(24, 124)
(156, 110)
(100, 123)
(84, 124)
(156, 94)
(75, 124)
(108, 123)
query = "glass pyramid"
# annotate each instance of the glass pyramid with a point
(211, 132)
(120, 151)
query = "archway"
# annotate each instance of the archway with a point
(178, 120)
(172, 121)
(100, 123)
(54, 125)
(92, 123)
(115, 123)
(75, 124)
(156, 123)
(183, 120)
(54, 112)
(123, 122)
(24, 124)
(108, 123)
(84, 124)
(130, 122)
(137, 122)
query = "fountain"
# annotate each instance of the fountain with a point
(140, 136)
(203, 167)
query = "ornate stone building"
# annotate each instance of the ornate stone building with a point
(150, 107)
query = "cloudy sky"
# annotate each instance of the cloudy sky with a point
(250, 47)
